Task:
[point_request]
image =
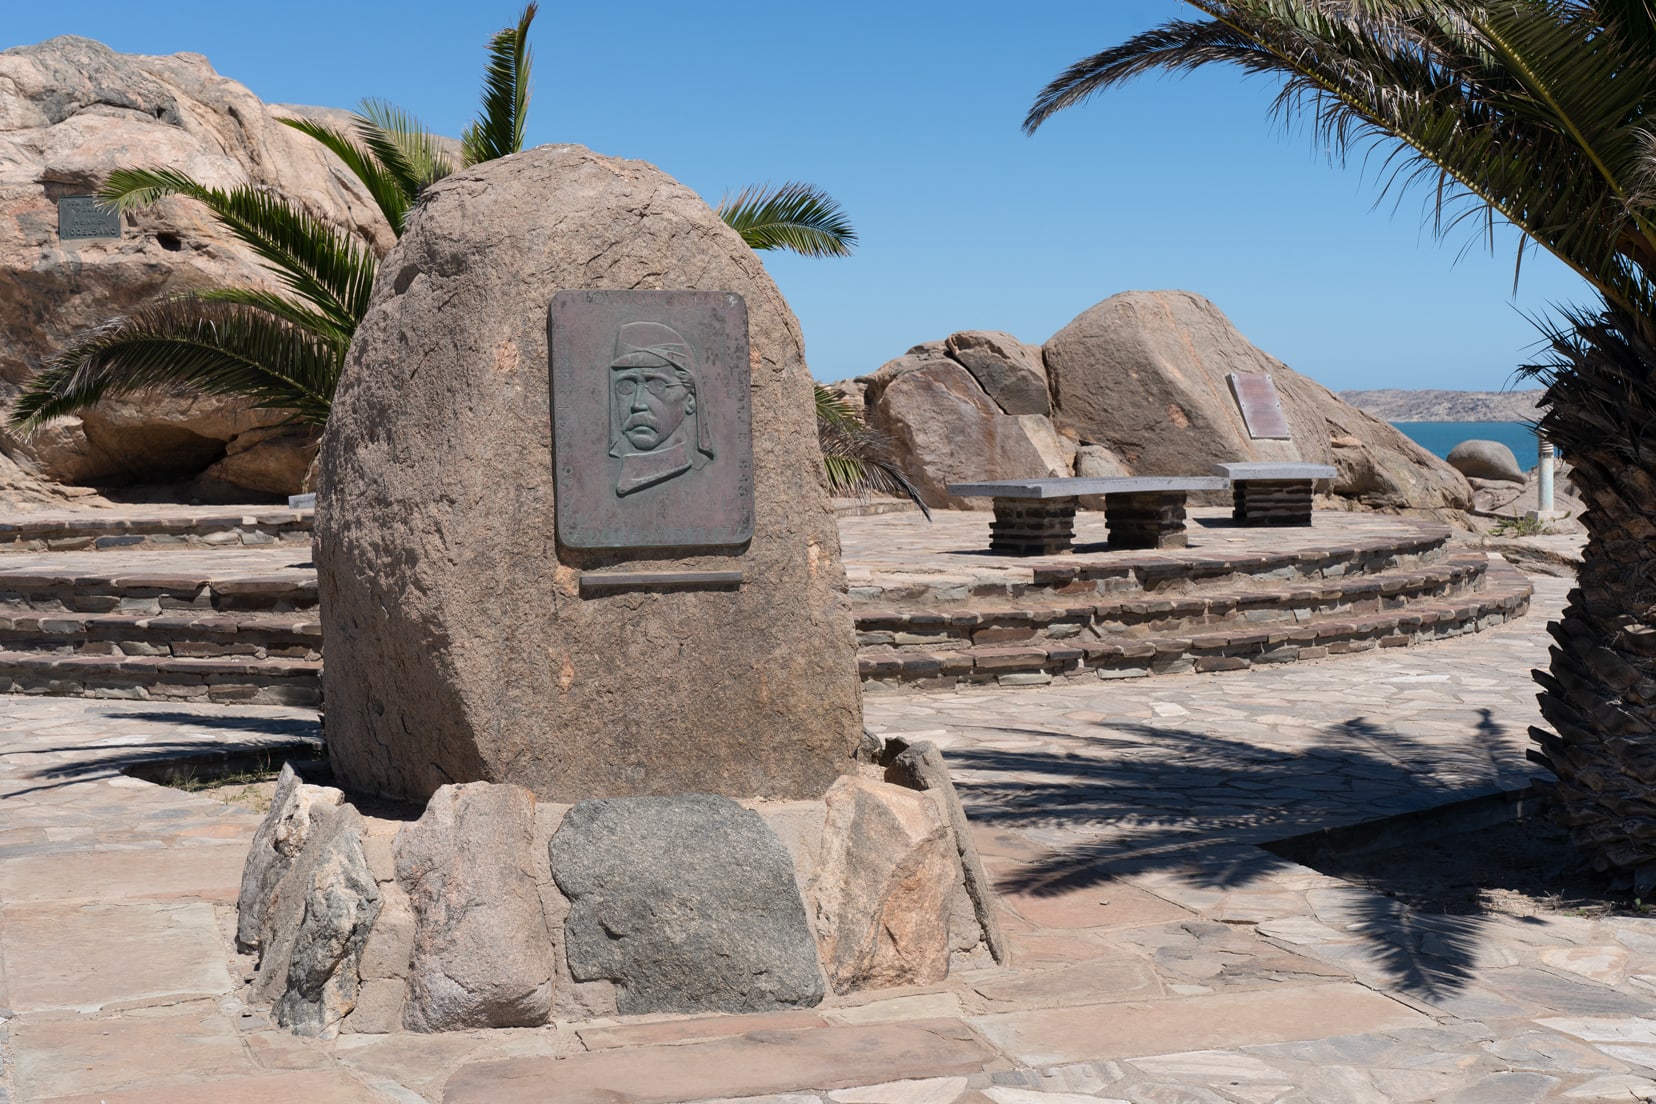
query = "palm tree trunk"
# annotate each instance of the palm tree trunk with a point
(1600, 695)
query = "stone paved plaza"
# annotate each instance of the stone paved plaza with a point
(1160, 956)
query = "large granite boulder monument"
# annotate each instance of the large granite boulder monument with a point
(614, 630)
(582, 589)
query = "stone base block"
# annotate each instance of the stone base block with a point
(492, 910)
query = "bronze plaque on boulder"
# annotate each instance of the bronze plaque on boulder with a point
(82, 216)
(652, 445)
(1256, 395)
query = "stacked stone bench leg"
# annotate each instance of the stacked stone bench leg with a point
(1272, 501)
(1032, 526)
(1036, 517)
(1151, 520)
(1272, 494)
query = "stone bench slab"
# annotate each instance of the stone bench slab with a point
(1253, 470)
(1073, 487)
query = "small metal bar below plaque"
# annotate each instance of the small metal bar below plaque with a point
(638, 580)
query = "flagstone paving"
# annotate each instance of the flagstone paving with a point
(1160, 954)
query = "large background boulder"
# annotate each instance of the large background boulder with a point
(460, 646)
(1478, 459)
(945, 428)
(1135, 385)
(1144, 373)
(1009, 371)
(72, 111)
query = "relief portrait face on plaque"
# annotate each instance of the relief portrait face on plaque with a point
(652, 440)
(655, 428)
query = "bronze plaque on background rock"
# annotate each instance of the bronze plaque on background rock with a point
(652, 442)
(1262, 411)
(82, 216)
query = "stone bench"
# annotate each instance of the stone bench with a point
(1272, 494)
(1036, 517)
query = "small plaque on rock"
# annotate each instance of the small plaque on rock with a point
(1256, 394)
(82, 216)
(651, 433)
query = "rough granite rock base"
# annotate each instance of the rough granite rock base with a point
(481, 955)
(324, 908)
(687, 903)
(496, 910)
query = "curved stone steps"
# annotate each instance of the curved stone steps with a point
(254, 635)
(277, 580)
(1053, 580)
(1504, 594)
(1137, 615)
(163, 678)
(157, 528)
(228, 610)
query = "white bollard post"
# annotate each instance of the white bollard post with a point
(1544, 479)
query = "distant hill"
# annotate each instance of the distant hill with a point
(1447, 406)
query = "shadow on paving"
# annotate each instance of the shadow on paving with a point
(1168, 799)
(269, 740)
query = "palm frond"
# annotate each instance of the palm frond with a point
(856, 456)
(498, 131)
(292, 311)
(1532, 110)
(795, 216)
(389, 193)
(213, 347)
(324, 266)
(392, 153)
(402, 142)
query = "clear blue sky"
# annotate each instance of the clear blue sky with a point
(908, 114)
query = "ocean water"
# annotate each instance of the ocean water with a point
(1439, 437)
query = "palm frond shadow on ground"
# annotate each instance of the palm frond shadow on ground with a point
(277, 737)
(1170, 800)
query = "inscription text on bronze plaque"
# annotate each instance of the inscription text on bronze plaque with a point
(82, 216)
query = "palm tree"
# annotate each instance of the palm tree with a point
(1536, 111)
(284, 352)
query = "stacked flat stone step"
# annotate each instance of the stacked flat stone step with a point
(1140, 615)
(1218, 632)
(180, 630)
(1062, 581)
(139, 530)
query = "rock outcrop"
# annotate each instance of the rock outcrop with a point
(945, 428)
(1135, 385)
(1008, 370)
(465, 640)
(1478, 459)
(74, 110)
(688, 904)
(1144, 373)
